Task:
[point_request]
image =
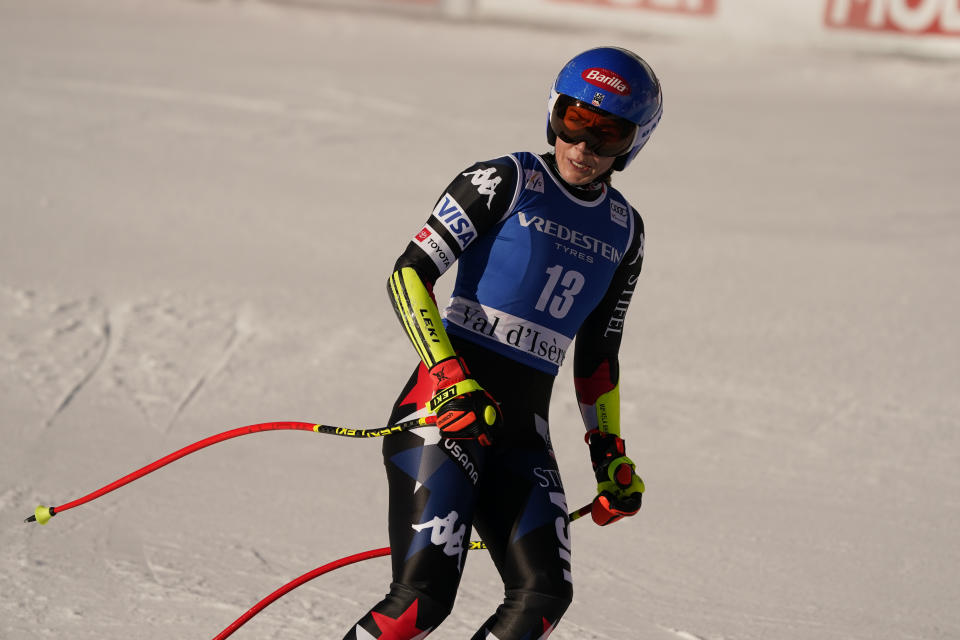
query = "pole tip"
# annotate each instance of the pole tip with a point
(41, 514)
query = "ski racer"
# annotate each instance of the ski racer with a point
(547, 251)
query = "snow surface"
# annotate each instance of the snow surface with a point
(200, 206)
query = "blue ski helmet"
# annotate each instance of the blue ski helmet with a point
(613, 81)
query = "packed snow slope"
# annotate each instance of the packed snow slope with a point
(200, 206)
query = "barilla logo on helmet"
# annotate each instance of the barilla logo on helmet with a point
(606, 79)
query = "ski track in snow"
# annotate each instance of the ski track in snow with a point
(54, 346)
(149, 365)
(58, 347)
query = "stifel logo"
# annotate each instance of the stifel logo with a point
(689, 7)
(941, 17)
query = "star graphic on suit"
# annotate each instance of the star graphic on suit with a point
(403, 627)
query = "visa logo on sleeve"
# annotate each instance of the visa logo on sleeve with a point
(451, 214)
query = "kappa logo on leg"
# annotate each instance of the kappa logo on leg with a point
(443, 533)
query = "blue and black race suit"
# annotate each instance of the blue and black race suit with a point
(539, 262)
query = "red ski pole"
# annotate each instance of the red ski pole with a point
(293, 584)
(42, 514)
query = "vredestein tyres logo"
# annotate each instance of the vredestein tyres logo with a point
(606, 79)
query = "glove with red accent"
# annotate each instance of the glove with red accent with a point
(619, 488)
(464, 409)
